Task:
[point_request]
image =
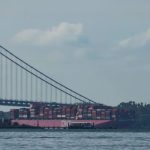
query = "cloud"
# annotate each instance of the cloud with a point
(65, 42)
(136, 41)
(64, 33)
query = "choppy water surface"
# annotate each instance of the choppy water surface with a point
(62, 140)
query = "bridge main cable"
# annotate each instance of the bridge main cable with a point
(41, 78)
(47, 76)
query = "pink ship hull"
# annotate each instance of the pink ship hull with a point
(57, 123)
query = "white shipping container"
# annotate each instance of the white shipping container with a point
(98, 117)
(98, 109)
(59, 116)
(41, 114)
(23, 116)
(80, 116)
(113, 116)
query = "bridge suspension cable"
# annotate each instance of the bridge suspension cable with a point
(24, 82)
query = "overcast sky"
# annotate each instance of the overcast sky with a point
(100, 48)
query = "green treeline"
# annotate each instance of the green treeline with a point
(138, 114)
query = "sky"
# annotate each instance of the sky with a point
(99, 48)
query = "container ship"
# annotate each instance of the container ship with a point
(63, 116)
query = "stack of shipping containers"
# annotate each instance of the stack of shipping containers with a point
(73, 112)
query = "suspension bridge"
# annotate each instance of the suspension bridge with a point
(22, 84)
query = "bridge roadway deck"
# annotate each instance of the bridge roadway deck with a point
(21, 103)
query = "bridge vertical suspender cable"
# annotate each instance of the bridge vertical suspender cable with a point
(48, 77)
(1, 76)
(41, 79)
(21, 84)
(11, 80)
(26, 84)
(51, 93)
(30, 79)
(36, 89)
(6, 77)
(16, 79)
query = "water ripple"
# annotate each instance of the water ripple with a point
(74, 140)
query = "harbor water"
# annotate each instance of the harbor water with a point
(73, 140)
